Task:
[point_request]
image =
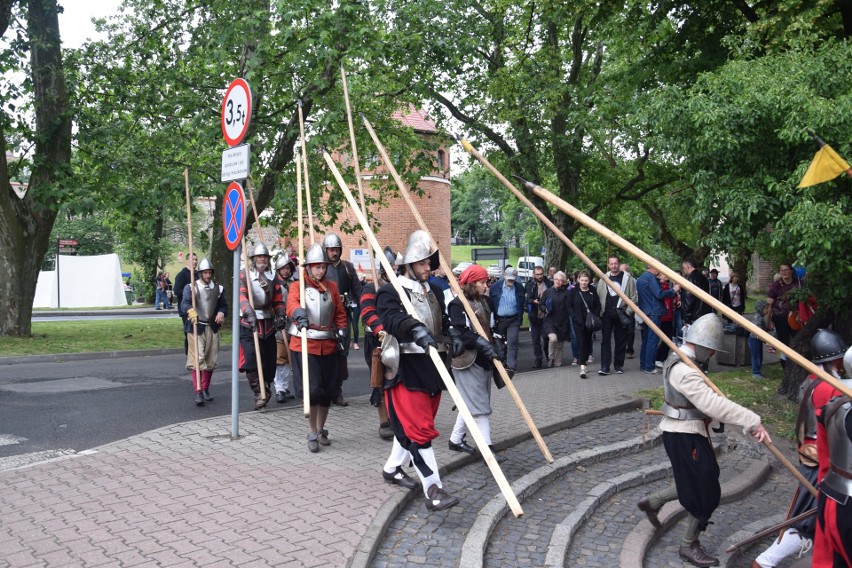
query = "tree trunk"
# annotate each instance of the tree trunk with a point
(25, 224)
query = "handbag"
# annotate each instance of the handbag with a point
(592, 321)
(623, 318)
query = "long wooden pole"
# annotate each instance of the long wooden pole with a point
(472, 427)
(617, 289)
(698, 292)
(303, 333)
(192, 281)
(406, 194)
(307, 181)
(357, 166)
(254, 333)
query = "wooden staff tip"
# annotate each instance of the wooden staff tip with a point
(527, 184)
(299, 103)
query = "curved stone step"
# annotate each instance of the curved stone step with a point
(638, 541)
(415, 534)
(473, 549)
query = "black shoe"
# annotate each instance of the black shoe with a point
(399, 477)
(323, 438)
(697, 556)
(385, 431)
(206, 394)
(339, 400)
(499, 458)
(630, 355)
(438, 499)
(603, 372)
(462, 447)
(537, 364)
(279, 396)
(288, 395)
(619, 371)
(645, 506)
(199, 400)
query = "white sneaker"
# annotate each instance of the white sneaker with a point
(658, 364)
(590, 359)
(582, 371)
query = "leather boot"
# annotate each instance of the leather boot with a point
(697, 556)
(439, 499)
(254, 383)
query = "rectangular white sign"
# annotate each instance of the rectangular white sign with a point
(361, 258)
(235, 163)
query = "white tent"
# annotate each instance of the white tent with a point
(84, 281)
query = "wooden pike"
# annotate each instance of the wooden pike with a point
(303, 333)
(472, 427)
(454, 284)
(617, 289)
(307, 182)
(254, 333)
(192, 281)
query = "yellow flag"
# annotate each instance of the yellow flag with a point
(826, 166)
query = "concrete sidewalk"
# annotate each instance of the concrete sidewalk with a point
(188, 495)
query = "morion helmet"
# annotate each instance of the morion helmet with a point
(707, 331)
(259, 250)
(827, 345)
(331, 240)
(315, 255)
(283, 260)
(204, 265)
(419, 247)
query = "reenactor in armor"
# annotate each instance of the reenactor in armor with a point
(826, 346)
(285, 268)
(342, 272)
(827, 349)
(690, 404)
(324, 319)
(412, 383)
(265, 318)
(211, 309)
(373, 333)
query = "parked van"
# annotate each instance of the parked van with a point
(526, 264)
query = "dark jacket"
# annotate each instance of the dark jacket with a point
(458, 319)
(181, 281)
(496, 292)
(555, 310)
(726, 295)
(691, 307)
(531, 294)
(578, 308)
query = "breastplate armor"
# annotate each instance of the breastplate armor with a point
(206, 300)
(427, 311)
(262, 296)
(677, 406)
(320, 309)
(839, 477)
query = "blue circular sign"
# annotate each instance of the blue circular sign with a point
(234, 215)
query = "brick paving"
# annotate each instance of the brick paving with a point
(188, 495)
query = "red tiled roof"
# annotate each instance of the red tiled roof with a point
(416, 119)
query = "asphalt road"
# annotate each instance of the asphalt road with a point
(49, 409)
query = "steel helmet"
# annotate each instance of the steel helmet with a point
(827, 345)
(331, 240)
(707, 331)
(204, 265)
(283, 260)
(847, 362)
(315, 255)
(259, 250)
(419, 247)
(390, 256)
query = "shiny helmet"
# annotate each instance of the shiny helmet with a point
(708, 332)
(419, 247)
(259, 250)
(204, 265)
(847, 363)
(283, 260)
(315, 255)
(331, 240)
(827, 345)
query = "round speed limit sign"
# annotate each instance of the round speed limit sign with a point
(236, 112)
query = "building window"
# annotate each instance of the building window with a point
(441, 160)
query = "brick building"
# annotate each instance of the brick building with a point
(393, 221)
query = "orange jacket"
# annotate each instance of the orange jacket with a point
(316, 346)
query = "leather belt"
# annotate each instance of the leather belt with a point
(841, 472)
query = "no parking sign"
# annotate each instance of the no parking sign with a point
(234, 215)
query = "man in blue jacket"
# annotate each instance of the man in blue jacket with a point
(651, 303)
(508, 299)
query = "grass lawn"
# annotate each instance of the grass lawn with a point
(462, 253)
(777, 412)
(99, 336)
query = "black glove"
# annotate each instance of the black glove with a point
(376, 397)
(421, 336)
(300, 317)
(457, 343)
(484, 346)
(280, 321)
(251, 318)
(341, 343)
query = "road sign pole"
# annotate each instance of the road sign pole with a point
(58, 305)
(235, 349)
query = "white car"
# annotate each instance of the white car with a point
(495, 271)
(460, 267)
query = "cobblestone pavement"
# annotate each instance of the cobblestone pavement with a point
(188, 495)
